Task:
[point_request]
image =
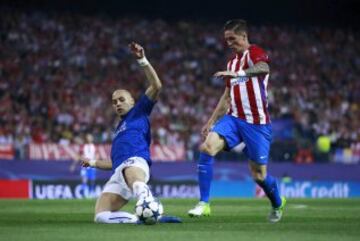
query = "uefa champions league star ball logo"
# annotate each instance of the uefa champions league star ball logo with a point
(149, 210)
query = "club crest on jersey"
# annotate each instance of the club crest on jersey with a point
(238, 80)
(120, 129)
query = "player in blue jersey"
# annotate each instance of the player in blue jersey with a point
(130, 154)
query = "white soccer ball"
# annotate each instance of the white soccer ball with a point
(149, 210)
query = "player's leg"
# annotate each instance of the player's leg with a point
(84, 182)
(266, 182)
(136, 179)
(117, 192)
(136, 175)
(91, 175)
(222, 136)
(258, 139)
(270, 187)
(212, 145)
(106, 209)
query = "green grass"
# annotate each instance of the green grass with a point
(232, 219)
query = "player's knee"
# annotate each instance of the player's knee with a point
(258, 172)
(208, 148)
(258, 177)
(133, 174)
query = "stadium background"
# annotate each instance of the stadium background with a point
(60, 61)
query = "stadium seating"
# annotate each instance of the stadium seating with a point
(57, 73)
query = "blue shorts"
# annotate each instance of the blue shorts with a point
(88, 173)
(257, 138)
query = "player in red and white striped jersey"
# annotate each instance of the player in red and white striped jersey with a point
(240, 116)
(248, 92)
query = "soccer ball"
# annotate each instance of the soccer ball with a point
(149, 210)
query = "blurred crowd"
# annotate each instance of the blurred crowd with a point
(57, 73)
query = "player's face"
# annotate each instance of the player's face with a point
(122, 102)
(236, 41)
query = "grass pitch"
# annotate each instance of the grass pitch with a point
(232, 219)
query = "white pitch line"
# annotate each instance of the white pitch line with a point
(299, 206)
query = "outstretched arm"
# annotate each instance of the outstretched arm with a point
(259, 68)
(155, 85)
(97, 163)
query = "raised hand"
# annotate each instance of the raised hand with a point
(85, 162)
(137, 50)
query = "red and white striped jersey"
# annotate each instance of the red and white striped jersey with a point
(249, 94)
(89, 151)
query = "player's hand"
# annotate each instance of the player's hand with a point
(85, 162)
(205, 131)
(137, 50)
(230, 74)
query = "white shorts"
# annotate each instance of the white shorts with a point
(117, 183)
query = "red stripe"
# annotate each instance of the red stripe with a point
(237, 95)
(238, 102)
(251, 96)
(252, 100)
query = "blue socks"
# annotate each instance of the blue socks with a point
(270, 187)
(205, 173)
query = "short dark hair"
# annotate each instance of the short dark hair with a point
(236, 25)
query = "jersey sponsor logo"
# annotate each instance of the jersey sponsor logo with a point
(238, 80)
(320, 189)
(120, 129)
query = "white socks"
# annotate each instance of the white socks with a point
(140, 189)
(115, 217)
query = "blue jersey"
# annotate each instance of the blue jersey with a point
(132, 136)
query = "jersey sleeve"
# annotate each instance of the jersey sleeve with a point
(144, 105)
(257, 54)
